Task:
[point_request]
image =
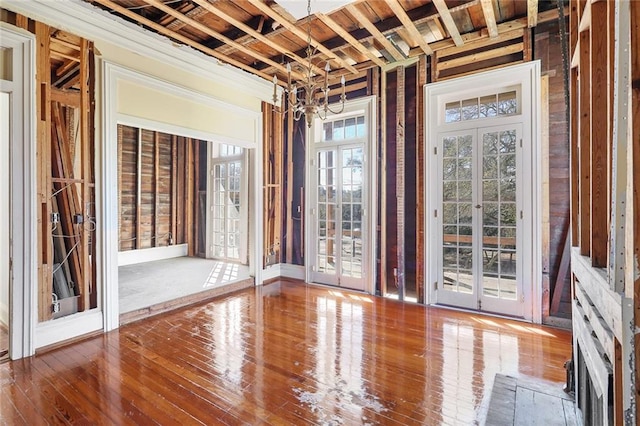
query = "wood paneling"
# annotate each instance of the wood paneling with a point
(261, 356)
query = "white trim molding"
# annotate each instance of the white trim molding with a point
(525, 80)
(23, 214)
(132, 257)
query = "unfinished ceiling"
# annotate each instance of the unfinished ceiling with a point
(261, 37)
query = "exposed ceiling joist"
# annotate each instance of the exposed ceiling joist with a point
(489, 17)
(401, 14)
(373, 30)
(448, 21)
(183, 39)
(301, 34)
(532, 13)
(350, 39)
(201, 27)
(253, 33)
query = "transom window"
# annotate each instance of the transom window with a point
(494, 105)
(343, 129)
(229, 150)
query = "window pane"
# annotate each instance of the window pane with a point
(470, 109)
(507, 103)
(350, 128)
(338, 130)
(361, 129)
(452, 112)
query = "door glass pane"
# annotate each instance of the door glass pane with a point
(226, 205)
(351, 206)
(457, 209)
(327, 208)
(499, 214)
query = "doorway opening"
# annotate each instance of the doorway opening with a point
(339, 235)
(483, 229)
(183, 227)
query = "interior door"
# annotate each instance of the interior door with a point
(338, 216)
(480, 219)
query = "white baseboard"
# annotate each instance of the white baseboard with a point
(59, 330)
(271, 272)
(297, 272)
(132, 257)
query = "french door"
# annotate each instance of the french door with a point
(228, 204)
(338, 216)
(480, 219)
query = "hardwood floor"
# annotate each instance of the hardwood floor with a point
(285, 353)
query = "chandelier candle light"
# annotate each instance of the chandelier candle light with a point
(312, 102)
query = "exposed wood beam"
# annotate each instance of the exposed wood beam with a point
(61, 55)
(183, 39)
(201, 27)
(373, 30)
(481, 56)
(333, 25)
(301, 34)
(532, 13)
(480, 43)
(66, 97)
(253, 33)
(401, 14)
(489, 17)
(448, 21)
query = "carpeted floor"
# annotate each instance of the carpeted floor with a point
(146, 284)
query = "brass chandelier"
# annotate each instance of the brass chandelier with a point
(306, 97)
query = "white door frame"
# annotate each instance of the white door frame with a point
(365, 105)
(23, 280)
(527, 78)
(106, 181)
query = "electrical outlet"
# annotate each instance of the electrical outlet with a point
(78, 219)
(55, 217)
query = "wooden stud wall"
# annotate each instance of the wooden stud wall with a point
(594, 62)
(272, 121)
(157, 184)
(64, 164)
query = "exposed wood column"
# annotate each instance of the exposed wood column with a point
(573, 130)
(44, 184)
(400, 180)
(420, 251)
(86, 158)
(599, 137)
(584, 143)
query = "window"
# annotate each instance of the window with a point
(494, 105)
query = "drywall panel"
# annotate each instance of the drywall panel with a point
(141, 101)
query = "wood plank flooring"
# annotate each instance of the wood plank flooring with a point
(286, 353)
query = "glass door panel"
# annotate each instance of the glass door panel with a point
(227, 210)
(339, 221)
(501, 214)
(479, 216)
